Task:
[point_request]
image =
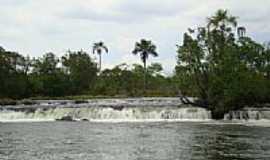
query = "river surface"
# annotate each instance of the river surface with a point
(133, 141)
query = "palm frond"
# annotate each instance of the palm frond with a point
(145, 48)
(99, 46)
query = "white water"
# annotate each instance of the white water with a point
(161, 101)
(122, 110)
(250, 114)
(109, 114)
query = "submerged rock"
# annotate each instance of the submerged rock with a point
(28, 102)
(118, 108)
(4, 102)
(80, 101)
(65, 118)
(85, 120)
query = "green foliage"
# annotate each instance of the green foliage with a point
(224, 71)
(145, 48)
(13, 78)
(46, 76)
(75, 73)
(47, 79)
(81, 71)
(217, 63)
(124, 80)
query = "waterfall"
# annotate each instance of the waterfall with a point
(249, 114)
(127, 109)
(108, 114)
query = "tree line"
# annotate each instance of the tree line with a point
(77, 73)
(217, 63)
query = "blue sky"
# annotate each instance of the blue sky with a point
(34, 27)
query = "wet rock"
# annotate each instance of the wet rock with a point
(4, 102)
(30, 110)
(63, 103)
(245, 116)
(65, 118)
(118, 108)
(28, 102)
(85, 120)
(80, 101)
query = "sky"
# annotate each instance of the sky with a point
(35, 27)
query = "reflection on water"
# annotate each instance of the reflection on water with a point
(133, 141)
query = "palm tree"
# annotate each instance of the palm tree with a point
(220, 19)
(145, 48)
(98, 48)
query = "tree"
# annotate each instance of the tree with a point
(47, 64)
(155, 69)
(13, 74)
(145, 48)
(223, 72)
(98, 48)
(221, 19)
(110, 81)
(81, 70)
(47, 78)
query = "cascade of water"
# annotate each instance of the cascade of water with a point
(128, 109)
(248, 114)
(107, 113)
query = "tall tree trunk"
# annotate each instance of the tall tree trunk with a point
(100, 62)
(144, 77)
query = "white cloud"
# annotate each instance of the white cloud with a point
(35, 26)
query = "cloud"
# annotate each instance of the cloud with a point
(126, 11)
(34, 27)
(13, 3)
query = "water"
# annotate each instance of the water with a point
(131, 129)
(137, 109)
(133, 141)
(249, 114)
(127, 109)
(107, 114)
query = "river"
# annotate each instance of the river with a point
(133, 141)
(144, 129)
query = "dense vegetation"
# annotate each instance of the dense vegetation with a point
(76, 73)
(217, 63)
(224, 71)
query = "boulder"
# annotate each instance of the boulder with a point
(80, 101)
(85, 120)
(118, 108)
(65, 118)
(28, 102)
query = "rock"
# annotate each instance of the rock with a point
(245, 116)
(118, 108)
(4, 102)
(28, 102)
(65, 118)
(63, 103)
(80, 101)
